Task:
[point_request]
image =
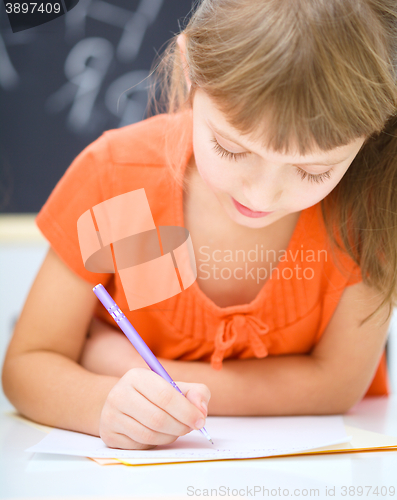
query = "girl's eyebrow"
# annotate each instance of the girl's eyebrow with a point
(318, 163)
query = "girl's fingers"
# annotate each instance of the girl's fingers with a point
(165, 397)
(151, 416)
(198, 394)
(123, 442)
(139, 434)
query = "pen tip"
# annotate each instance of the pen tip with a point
(211, 441)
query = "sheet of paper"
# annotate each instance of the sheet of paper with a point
(47, 430)
(233, 437)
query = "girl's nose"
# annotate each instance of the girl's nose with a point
(263, 192)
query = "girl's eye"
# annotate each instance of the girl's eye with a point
(236, 156)
(225, 153)
(312, 177)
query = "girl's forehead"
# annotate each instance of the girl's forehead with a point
(218, 123)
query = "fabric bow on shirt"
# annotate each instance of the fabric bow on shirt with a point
(228, 332)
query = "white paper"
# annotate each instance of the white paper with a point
(233, 437)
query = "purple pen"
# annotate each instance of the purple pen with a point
(136, 340)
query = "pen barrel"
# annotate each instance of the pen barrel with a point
(132, 335)
(141, 346)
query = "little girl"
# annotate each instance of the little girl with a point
(277, 151)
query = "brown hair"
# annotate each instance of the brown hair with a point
(325, 72)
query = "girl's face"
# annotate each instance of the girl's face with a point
(241, 173)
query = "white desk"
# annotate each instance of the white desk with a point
(27, 475)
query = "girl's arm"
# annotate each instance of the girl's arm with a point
(41, 376)
(43, 380)
(330, 380)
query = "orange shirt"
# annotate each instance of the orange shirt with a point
(289, 314)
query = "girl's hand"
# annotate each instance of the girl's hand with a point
(143, 410)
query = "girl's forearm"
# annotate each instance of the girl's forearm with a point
(275, 385)
(54, 390)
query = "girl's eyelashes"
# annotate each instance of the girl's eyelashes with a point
(312, 177)
(224, 153)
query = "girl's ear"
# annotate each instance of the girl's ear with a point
(181, 41)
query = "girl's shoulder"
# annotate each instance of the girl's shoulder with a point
(338, 268)
(149, 141)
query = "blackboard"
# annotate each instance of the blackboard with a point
(60, 83)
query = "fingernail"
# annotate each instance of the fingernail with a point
(204, 407)
(200, 423)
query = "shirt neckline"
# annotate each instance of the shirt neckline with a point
(179, 218)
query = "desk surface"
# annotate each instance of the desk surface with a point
(28, 475)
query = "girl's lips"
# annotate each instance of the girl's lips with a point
(247, 212)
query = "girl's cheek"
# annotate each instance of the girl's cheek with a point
(214, 171)
(204, 167)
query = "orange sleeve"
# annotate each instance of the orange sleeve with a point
(355, 276)
(85, 183)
